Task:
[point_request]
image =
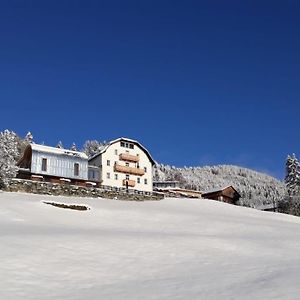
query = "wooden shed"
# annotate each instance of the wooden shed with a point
(226, 194)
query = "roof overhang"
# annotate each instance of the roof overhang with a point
(103, 150)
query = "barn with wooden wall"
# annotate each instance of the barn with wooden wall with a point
(226, 194)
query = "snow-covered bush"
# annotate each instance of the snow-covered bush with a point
(290, 204)
(8, 155)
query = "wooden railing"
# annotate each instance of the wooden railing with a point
(129, 157)
(130, 183)
(129, 170)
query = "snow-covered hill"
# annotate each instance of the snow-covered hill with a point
(169, 249)
(255, 188)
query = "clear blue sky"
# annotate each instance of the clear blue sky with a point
(196, 82)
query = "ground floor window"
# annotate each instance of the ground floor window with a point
(44, 164)
(76, 169)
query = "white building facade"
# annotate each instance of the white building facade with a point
(123, 163)
(53, 164)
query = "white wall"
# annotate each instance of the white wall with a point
(59, 165)
(110, 155)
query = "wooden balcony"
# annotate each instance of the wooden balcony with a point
(131, 183)
(129, 170)
(129, 157)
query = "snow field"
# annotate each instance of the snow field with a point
(170, 249)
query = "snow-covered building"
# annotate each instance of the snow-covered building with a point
(51, 164)
(123, 163)
(166, 184)
(226, 194)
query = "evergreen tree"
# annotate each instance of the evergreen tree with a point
(29, 138)
(292, 178)
(8, 155)
(60, 145)
(90, 148)
(73, 147)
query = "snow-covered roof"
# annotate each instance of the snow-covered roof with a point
(104, 148)
(59, 151)
(218, 190)
(166, 181)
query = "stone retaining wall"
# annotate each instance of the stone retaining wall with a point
(47, 188)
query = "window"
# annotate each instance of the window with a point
(76, 169)
(145, 169)
(138, 180)
(92, 174)
(127, 164)
(116, 176)
(44, 164)
(116, 151)
(127, 145)
(145, 181)
(108, 175)
(127, 177)
(108, 162)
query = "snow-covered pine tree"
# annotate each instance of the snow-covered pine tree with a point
(90, 148)
(23, 143)
(292, 178)
(60, 145)
(73, 147)
(8, 156)
(29, 138)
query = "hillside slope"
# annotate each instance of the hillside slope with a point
(256, 188)
(170, 249)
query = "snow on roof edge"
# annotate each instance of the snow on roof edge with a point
(218, 189)
(124, 139)
(54, 150)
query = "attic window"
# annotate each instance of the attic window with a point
(44, 164)
(127, 145)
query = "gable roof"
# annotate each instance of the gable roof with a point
(58, 151)
(103, 149)
(220, 190)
